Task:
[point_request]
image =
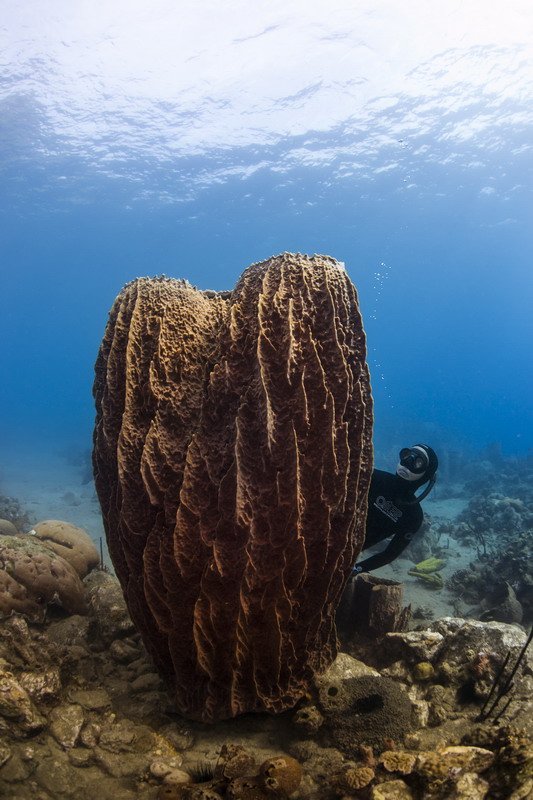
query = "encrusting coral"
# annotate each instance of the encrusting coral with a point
(372, 710)
(232, 461)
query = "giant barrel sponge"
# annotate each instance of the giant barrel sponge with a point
(232, 459)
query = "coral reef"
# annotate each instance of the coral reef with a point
(232, 461)
(356, 778)
(501, 604)
(397, 761)
(11, 511)
(498, 583)
(7, 528)
(69, 542)
(84, 714)
(31, 576)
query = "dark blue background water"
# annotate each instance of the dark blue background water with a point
(435, 233)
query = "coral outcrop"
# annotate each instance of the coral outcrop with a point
(31, 576)
(83, 714)
(232, 460)
(7, 528)
(69, 542)
(373, 710)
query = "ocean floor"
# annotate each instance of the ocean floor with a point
(48, 487)
(83, 712)
(437, 602)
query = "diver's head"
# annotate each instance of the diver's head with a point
(418, 465)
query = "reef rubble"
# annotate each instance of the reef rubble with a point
(83, 712)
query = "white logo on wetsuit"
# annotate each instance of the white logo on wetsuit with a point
(388, 508)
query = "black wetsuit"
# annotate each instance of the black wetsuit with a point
(391, 513)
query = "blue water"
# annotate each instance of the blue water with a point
(187, 141)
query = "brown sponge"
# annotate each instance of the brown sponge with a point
(232, 457)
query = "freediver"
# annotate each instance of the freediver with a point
(393, 507)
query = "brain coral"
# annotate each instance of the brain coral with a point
(31, 576)
(357, 777)
(69, 542)
(232, 456)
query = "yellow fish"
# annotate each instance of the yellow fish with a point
(434, 581)
(430, 565)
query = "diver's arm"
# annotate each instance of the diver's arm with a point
(396, 546)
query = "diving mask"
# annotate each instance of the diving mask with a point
(413, 463)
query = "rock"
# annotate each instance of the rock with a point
(111, 617)
(391, 790)
(42, 686)
(90, 735)
(123, 765)
(218, 420)
(14, 770)
(65, 723)
(80, 757)
(71, 631)
(420, 713)
(125, 736)
(147, 682)
(70, 542)
(16, 707)
(476, 759)
(124, 651)
(413, 646)
(176, 777)
(179, 736)
(470, 786)
(57, 776)
(501, 605)
(91, 699)
(473, 636)
(162, 767)
(5, 753)
(108, 788)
